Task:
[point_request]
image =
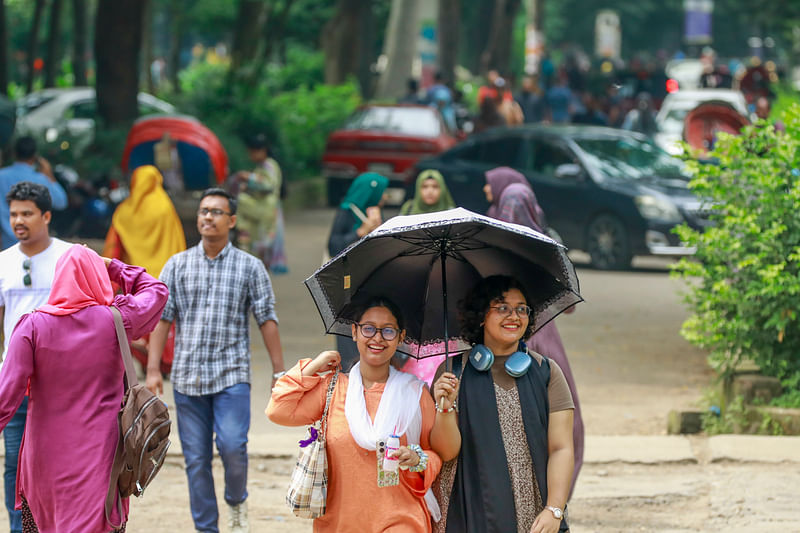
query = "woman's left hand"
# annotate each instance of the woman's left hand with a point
(546, 523)
(408, 458)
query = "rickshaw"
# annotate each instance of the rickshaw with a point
(703, 123)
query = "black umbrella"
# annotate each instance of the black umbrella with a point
(422, 261)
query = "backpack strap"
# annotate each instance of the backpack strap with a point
(129, 380)
(125, 349)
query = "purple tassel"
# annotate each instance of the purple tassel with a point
(313, 432)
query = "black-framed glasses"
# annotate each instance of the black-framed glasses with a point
(26, 266)
(203, 211)
(388, 333)
(522, 310)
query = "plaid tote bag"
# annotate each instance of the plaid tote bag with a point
(308, 489)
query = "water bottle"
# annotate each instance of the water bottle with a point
(390, 464)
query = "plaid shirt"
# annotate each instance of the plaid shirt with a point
(209, 300)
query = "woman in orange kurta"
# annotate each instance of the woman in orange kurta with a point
(373, 397)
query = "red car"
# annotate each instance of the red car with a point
(387, 139)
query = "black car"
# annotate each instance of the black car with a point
(611, 193)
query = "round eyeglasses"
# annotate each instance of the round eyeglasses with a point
(506, 310)
(368, 330)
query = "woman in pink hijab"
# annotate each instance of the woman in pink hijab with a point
(512, 200)
(67, 353)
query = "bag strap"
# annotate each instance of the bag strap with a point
(124, 349)
(324, 419)
(358, 212)
(129, 380)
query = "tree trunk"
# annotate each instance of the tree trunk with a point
(52, 60)
(3, 50)
(147, 47)
(178, 22)
(474, 34)
(449, 21)
(498, 52)
(342, 40)
(400, 48)
(79, 42)
(248, 36)
(118, 40)
(33, 41)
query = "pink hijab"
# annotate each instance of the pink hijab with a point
(81, 280)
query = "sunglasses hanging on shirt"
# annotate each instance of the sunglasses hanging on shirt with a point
(26, 266)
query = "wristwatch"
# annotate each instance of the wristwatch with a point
(279, 375)
(558, 513)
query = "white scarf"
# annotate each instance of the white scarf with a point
(396, 415)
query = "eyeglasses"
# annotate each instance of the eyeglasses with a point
(203, 211)
(26, 266)
(522, 310)
(369, 331)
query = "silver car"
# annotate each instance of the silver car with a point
(64, 119)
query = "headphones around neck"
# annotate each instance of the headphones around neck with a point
(518, 363)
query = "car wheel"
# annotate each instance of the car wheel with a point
(608, 243)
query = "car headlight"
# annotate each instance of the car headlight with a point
(50, 135)
(654, 208)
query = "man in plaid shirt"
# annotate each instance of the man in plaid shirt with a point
(212, 286)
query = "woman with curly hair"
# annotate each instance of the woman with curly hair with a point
(510, 406)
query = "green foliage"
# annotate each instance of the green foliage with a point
(289, 104)
(744, 280)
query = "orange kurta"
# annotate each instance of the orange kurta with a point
(355, 502)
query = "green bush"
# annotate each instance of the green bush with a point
(296, 118)
(744, 280)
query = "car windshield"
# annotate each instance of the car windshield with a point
(405, 120)
(32, 102)
(630, 158)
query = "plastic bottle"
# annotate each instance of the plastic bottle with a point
(390, 464)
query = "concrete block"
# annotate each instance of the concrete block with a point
(684, 422)
(787, 419)
(754, 448)
(756, 386)
(645, 449)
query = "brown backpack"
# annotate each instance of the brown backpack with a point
(144, 426)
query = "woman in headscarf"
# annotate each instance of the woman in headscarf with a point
(512, 200)
(68, 354)
(431, 195)
(260, 227)
(358, 214)
(146, 231)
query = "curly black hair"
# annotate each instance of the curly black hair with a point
(473, 308)
(26, 190)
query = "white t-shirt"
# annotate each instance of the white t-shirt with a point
(14, 295)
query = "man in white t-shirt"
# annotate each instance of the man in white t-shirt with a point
(26, 275)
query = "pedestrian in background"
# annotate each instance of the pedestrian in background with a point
(513, 200)
(68, 354)
(28, 167)
(213, 286)
(146, 231)
(371, 403)
(260, 227)
(26, 275)
(358, 214)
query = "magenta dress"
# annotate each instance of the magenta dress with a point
(75, 371)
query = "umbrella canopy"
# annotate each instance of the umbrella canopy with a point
(403, 258)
